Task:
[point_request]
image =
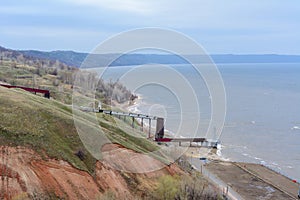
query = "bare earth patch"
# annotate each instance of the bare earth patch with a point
(23, 174)
(253, 181)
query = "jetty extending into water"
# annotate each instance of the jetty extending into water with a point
(235, 180)
(160, 126)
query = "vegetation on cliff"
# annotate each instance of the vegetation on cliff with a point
(46, 126)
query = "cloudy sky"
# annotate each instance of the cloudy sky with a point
(220, 26)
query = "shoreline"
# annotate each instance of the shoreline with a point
(234, 153)
(242, 180)
(238, 177)
(253, 181)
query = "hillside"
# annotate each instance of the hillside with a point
(42, 156)
(39, 130)
(19, 69)
(41, 123)
(47, 126)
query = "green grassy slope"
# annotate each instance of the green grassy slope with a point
(42, 124)
(47, 126)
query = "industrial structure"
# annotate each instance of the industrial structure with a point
(159, 132)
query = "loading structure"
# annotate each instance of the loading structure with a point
(159, 131)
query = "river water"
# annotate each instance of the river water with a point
(263, 111)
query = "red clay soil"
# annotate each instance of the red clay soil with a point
(125, 160)
(23, 173)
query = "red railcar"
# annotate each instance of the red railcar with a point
(33, 90)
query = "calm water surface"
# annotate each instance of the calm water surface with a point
(263, 111)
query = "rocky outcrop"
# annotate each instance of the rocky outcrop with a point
(25, 174)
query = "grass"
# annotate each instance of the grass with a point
(24, 75)
(42, 124)
(47, 126)
(121, 132)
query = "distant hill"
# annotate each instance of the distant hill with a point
(17, 68)
(68, 57)
(75, 58)
(19, 56)
(263, 58)
(72, 58)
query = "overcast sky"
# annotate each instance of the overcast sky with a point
(228, 26)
